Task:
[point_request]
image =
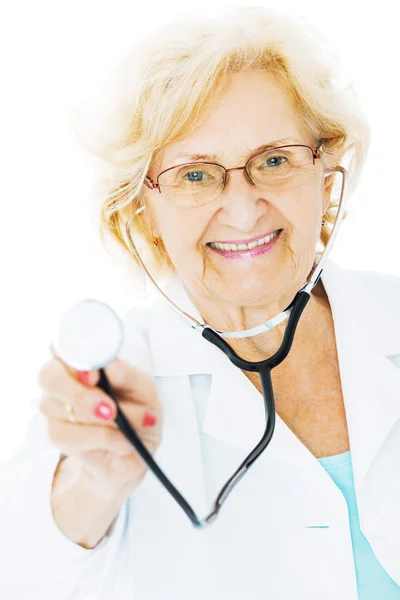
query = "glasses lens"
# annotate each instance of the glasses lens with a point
(283, 168)
(192, 185)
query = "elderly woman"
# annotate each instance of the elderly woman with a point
(220, 160)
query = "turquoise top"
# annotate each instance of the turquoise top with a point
(372, 580)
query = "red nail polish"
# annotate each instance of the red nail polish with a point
(149, 420)
(103, 411)
(83, 376)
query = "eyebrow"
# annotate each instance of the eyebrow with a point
(273, 144)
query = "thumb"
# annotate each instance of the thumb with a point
(89, 378)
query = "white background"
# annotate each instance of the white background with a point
(54, 53)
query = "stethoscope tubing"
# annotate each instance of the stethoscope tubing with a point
(263, 368)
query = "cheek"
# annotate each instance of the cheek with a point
(309, 212)
(305, 226)
(182, 239)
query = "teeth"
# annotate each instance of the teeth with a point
(236, 247)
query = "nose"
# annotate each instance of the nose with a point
(242, 203)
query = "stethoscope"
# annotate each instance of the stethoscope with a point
(91, 334)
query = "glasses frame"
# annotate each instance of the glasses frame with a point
(155, 185)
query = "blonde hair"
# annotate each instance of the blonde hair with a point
(163, 87)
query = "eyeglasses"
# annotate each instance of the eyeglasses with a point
(198, 183)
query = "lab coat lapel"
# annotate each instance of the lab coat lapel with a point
(367, 328)
(178, 351)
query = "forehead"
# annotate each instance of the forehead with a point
(251, 111)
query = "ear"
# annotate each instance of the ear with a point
(328, 182)
(155, 232)
(149, 216)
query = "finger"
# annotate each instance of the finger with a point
(53, 408)
(144, 418)
(59, 384)
(90, 378)
(75, 439)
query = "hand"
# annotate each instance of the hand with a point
(105, 454)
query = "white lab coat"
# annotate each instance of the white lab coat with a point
(266, 542)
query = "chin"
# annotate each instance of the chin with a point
(240, 294)
(255, 289)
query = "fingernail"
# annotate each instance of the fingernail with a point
(149, 420)
(83, 376)
(103, 411)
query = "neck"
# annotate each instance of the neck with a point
(309, 332)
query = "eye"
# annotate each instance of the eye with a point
(274, 158)
(195, 176)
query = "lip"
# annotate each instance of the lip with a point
(256, 251)
(254, 239)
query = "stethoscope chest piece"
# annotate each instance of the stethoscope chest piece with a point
(89, 336)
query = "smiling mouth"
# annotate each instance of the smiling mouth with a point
(235, 247)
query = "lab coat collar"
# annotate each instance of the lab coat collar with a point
(367, 330)
(177, 349)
